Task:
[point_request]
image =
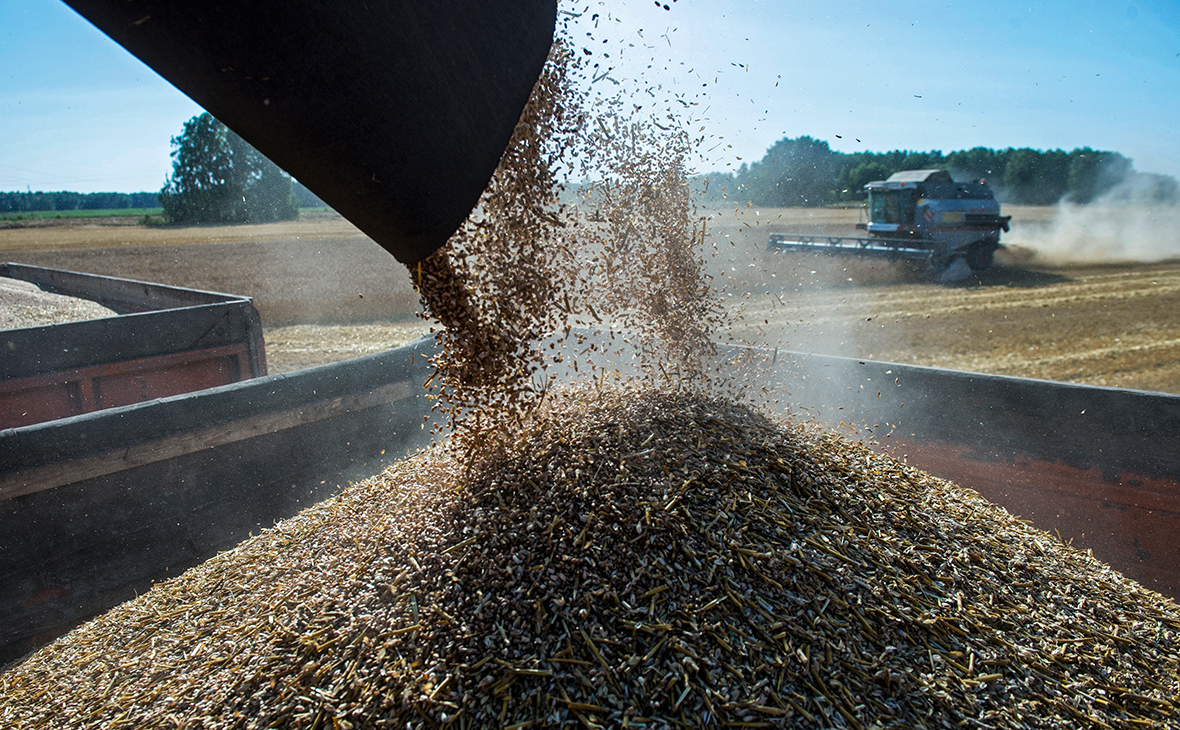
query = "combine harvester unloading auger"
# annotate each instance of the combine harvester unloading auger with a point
(923, 217)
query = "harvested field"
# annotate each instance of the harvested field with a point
(306, 345)
(1115, 324)
(320, 270)
(636, 558)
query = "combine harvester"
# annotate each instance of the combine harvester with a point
(921, 216)
(396, 114)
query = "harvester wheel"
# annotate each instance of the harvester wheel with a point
(957, 270)
(979, 255)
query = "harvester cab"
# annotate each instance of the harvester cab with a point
(953, 228)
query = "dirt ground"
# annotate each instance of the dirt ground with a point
(326, 293)
(319, 269)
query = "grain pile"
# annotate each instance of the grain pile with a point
(635, 558)
(23, 304)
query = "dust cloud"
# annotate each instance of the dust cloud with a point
(793, 300)
(1118, 227)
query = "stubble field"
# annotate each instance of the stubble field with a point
(1114, 323)
(327, 293)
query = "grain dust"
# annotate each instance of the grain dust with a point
(624, 257)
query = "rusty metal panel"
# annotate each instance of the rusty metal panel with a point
(37, 398)
(1100, 466)
(1129, 520)
(183, 372)
(22, 404)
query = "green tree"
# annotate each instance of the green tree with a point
(199, 188)
(1093, 173)
(218, 178)
(923, 161)
(1054, 177)
(1020, 174)
(806, 172)
(793, 173)
(862, 175)
(980, 163)
(1032, 177)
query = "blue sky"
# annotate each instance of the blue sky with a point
(79, 113)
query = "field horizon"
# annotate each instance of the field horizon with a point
(327, 292)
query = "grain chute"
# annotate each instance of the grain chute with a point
(394, 113)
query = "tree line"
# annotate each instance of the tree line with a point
(805, 172)
(217, 177)
(35, 202)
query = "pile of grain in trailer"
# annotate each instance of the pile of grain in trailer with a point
(24, 304)
(635, 558)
